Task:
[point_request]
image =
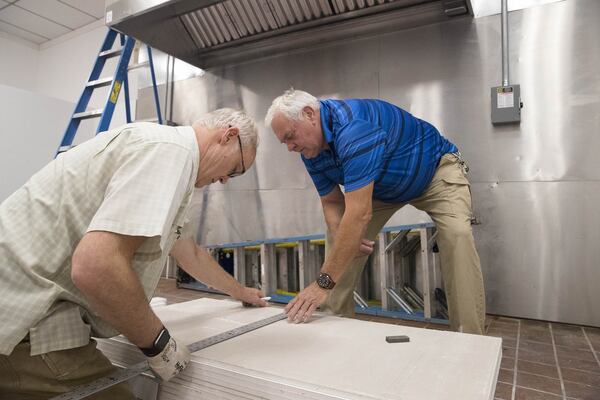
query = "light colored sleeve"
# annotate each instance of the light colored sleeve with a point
(145, 191)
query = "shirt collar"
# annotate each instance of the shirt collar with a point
(326, 122)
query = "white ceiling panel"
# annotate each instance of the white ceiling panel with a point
(32, 37)
(94, 8)
(32, 22)
(57, 12)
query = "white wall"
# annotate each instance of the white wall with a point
(18, 67)
(32, 126)
(39, 87)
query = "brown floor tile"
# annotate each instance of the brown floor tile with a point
(550, 371)
(536, 336)
(539, 383)
(504, 325)
(564, 329)
(566, 361)
(575, 353)
(584, 377)
(537, 347)
(573, 341)
(506, 376)
(502, 333)
(508, 351)
(503, 391)
(582, 392)
(532, 325)
(594, 335)
(528, 394)
(507, 363)
(533, 356)
(512, 343)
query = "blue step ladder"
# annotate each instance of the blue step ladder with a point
(118, 81)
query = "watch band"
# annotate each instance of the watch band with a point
(158, 345)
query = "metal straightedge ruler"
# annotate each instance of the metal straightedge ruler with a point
(123, 375)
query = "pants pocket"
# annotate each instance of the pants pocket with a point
(65, 364)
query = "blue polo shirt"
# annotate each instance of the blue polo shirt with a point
(375, 141)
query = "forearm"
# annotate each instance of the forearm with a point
(208, 271)
(333, 218)
(347, 240)
(199, 264)
(114, 292)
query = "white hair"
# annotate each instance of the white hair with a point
(290, 104)
(229, 117)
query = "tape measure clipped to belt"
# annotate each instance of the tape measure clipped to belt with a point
(123, 375)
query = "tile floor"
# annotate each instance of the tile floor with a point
(541, 360)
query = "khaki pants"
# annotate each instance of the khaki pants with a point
(23, 376)
(447, 200)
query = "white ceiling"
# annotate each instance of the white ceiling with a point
(38, 21)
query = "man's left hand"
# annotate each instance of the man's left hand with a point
(302, 306)
(251, 297)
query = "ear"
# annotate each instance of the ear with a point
(229, 134)
(309, 113)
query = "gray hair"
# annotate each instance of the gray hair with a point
(290, 104)
(229, 117)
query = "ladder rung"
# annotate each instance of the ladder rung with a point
(100, 82)
(138, 65)
(110, 53)
(88, 114)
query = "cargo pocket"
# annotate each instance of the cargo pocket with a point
(458, 190)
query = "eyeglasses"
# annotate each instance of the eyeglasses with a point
(238, 173)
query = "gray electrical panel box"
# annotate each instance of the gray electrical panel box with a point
(506, 104)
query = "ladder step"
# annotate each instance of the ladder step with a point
(100, 82)
(88, 114)
(110, 53)
(138, 65)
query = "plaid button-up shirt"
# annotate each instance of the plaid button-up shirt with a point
(136, 180)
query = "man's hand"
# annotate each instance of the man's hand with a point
(250, 297)
(302, 306)
(171, 361)
(366, 247)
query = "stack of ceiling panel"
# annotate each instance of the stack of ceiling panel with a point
(328, 358)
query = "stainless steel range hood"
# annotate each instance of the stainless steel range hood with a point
(207, 33)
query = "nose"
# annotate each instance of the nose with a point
(291, 146)
(224, 179)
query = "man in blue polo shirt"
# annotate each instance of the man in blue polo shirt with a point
(384, 158)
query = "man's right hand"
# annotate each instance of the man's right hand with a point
(171, 361)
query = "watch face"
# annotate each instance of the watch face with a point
(324, 281)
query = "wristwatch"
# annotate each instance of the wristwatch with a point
(159, 343)
(324, 281)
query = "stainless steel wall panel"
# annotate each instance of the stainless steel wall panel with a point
(538, 244)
